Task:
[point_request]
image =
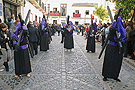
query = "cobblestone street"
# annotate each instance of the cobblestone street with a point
(58, 69)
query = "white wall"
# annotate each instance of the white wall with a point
(34, 12)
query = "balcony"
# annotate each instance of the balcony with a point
(54, 14)
(76, 15)
(34, 3)
(14, 2)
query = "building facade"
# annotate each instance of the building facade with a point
(56, 11)
(10, 7)
(80, 11)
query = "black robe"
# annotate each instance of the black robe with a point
(68, 41)
(90, 46)
(44, 39)
(22, 62)
(112, 62)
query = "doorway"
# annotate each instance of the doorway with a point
(54, 21)
(76, 23)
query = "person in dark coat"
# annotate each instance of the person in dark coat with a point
(128, 46)
(33, 38)
(103, 33)
(132, 39)
(113, 55)
(21, 56)
(68, 42)
(53, 29)
(59, 29)
(0, 21)
(5, 42)
(62, 32)
(44, 38)
(82, 29)
(91, 38)
(50, 34)
(9, 23)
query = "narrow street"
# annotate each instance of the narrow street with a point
(58, 69)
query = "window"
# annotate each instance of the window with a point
(39, 19)
(76, 23)
(48, 8)
(9, 10)
(54, 10)
(36, 0)
(42, 5)
(45, 8)
(63, 21)
(76, 11)
(40, 2)
(63, 9)
(87, 12)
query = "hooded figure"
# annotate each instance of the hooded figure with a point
(21, 56)
(113, 56)
(44, 39)
(68, 42)
(91, 38)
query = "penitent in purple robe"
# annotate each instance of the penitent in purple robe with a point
(113, 55)
(21, 57)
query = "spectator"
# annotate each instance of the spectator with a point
(9, 23)
(107, 30)
(5, 45)
(13, 18)
(33, 38)
(13, 25)
(103, 33)
(127, 47)
(59, 29)
(0, 21)
(132, 39)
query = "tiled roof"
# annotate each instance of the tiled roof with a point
(84, 4)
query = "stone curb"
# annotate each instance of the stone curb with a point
(130, 61)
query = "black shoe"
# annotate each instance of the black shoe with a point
(87, 51)
(105, 79)
(117, 80)
(132, 58)
(6, 66)
(125, 56)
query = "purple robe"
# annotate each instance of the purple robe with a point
(16, 34)
(43, 25)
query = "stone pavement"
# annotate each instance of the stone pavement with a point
(58, 69)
